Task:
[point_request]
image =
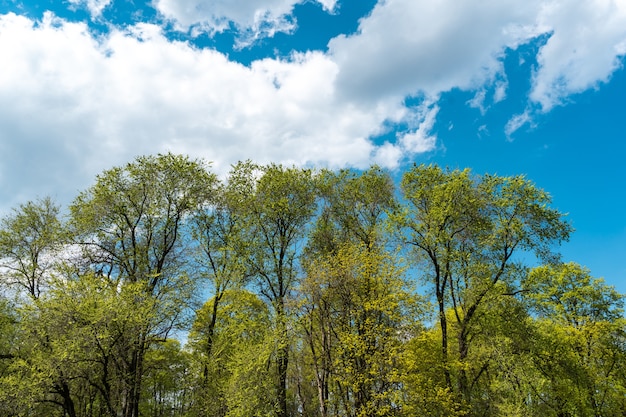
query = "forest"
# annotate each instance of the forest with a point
(165, 290)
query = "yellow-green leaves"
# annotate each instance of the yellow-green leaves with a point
(466, 233)
(356, 310)
(568, 294)
(31, 238)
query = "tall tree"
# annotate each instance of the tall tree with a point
(465, 232)
(580, 351)
(278, 211)
(130, 224)
(219, 231)
(30, 240)
(239, 380)
(359, 312)
(354, 208)
(353, 211)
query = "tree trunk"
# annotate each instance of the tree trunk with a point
(135, 373)
(282, 360)
(210, 336)
(463, 385)
(68, 403)
(443, 323)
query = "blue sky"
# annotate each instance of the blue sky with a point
(501, 86)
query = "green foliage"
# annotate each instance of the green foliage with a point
(238, 380)
(464, 232)
(311, 309)
(354, 208)
(30, 242)
(580, 349)
(568, 294)
(277, 212)
(130, 225)
(357, 313)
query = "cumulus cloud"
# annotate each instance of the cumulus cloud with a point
(420, 139)
(586, 45)
(407, 47)
(252, 18)
(95, 7)
(75, 105)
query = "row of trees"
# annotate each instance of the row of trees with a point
(280, 291)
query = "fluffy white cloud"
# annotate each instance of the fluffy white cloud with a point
(74, 105)
(95, 7)
(407, 47)
(587, 42)
(420, 139)
(254, 19)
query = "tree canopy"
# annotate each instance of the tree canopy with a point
(164, 290)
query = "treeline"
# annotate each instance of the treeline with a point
(280, 291)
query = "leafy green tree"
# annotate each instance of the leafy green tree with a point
(580, 349)
(281, 203)
(354, 208)
(371, 314)
(31, 238)
(239, 381)
(353, 212)
(168, 383)
(219, 231)
(9, 342)
(70, 354)
(465, 232)
(130, 225)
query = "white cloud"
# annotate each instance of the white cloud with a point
(387, 155)
(252, 18)
(408, 47)
(95, 7)
(478, 101)
(500, 90)
(586, 46)
(419, 138)
(328, 5)
(516, 122)
(73, 106)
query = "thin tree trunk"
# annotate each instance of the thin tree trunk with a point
(210, 336)
(68, 403)
(283, 362)
(443, 323)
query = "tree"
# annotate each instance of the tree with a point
(130, 225)
(30, 241)
(168, 384)
(352, 219)
(278, 210)
(9, 342)
(580, 334)
(465, 232)
(219, 231)
(238, 381)
(358, 314)
(354, 208)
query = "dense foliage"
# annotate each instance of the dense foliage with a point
(280, 291)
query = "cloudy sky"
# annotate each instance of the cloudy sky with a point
(534, 87)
